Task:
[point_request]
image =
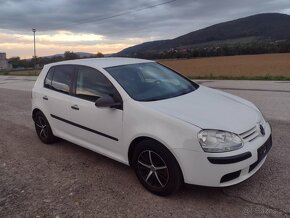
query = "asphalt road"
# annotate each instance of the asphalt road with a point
(65, 180)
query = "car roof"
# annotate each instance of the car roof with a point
(102, 62)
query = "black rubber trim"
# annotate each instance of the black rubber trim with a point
(231, 159)
(85, 128)
(230, 176)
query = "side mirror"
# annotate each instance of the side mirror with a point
(107, 101)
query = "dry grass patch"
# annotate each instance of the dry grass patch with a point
(268, 66)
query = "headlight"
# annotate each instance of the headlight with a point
(219, 141)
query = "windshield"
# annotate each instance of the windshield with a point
(151, 81)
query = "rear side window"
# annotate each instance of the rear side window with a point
(91, 84)
(48, 78)
(62, 78)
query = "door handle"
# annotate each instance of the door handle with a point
(75, 107)
(45, 97)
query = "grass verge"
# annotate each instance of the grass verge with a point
(21, 72)
(266, 77)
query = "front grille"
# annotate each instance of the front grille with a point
(250, 135)
(253, 133)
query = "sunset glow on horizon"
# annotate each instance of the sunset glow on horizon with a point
(57, 43)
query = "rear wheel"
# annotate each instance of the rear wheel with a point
(43, 129)
(156, 168)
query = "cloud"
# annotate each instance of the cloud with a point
(82, 23)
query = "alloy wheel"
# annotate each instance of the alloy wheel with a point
(153, 169)
(42, 127)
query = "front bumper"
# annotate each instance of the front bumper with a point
(224, 169)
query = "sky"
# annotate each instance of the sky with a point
(109, 26)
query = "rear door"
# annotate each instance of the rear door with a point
(100, 129)
(59, 83)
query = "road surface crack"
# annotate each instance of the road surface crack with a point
(256, 203)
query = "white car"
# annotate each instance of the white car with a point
(143, 114)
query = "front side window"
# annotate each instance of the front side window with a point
(151, 81)
(63, 78)
(91, 84)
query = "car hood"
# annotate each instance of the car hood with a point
(210, 109)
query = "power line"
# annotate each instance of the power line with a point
(131, 11)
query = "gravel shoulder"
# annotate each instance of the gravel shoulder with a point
(66, 180)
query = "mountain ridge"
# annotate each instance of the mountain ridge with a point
(259, 27)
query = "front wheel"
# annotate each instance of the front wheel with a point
(43, 129)
(156, 168)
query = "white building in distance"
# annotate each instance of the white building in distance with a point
(4, 65)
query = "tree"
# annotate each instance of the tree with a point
(15, 61)
(70, 55)
(99, 55)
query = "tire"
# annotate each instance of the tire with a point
(43, 129)
(156, 168)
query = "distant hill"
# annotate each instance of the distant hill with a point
(261, 27)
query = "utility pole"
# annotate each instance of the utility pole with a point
(34, 30)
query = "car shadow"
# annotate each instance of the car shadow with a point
(91, 159)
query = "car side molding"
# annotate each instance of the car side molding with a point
(83, 127)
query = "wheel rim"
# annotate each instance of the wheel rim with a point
(153, 169)
(42, 127)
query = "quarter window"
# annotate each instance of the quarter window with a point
(91, 84)
(48, 78)
(62, 78)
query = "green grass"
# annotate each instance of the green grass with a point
(31, 72)
(265, 77)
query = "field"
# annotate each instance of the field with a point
(268, 67)
(252, 67)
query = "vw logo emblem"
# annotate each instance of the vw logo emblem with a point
(262, 130)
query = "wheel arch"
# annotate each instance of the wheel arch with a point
(34, 112)
(136, 141)
(133, 145)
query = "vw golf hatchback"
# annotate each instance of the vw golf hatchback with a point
(143, 114)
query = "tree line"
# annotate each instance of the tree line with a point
(17, 62)
(250, 48)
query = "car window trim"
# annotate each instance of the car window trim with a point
(118, 96)
(70, 85)
(44, 85)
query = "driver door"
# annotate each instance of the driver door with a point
(99, 129)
